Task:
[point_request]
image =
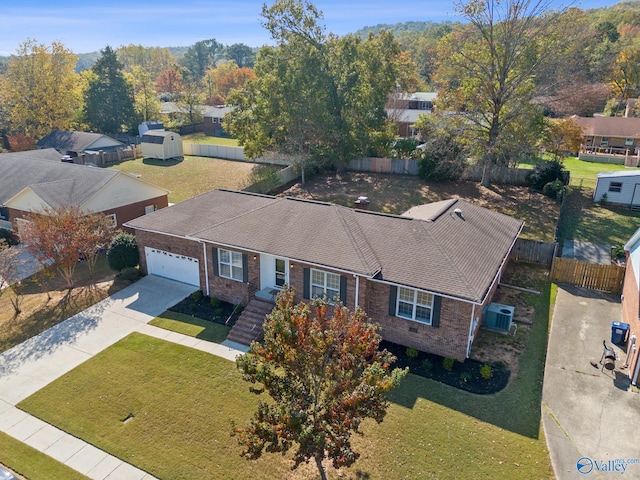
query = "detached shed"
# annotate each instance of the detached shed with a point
(161, 144)
(620, 188)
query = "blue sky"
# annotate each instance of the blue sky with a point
(87, 26)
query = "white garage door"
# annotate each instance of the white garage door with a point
(173, 266)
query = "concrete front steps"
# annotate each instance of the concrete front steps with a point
(248, 327)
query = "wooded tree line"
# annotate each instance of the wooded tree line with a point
(508, 68)
(42, 88)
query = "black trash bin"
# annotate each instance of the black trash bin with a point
(619, 331)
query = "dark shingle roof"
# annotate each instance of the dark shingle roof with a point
(442, 251)
(71, 141)
(57, 183)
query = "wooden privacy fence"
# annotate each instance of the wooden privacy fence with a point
(104, 159)
(607, 278)
(533, 251)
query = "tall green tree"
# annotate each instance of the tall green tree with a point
(323, 370)
(201, 56)
(109, 99)
(147, 105)
(40, 89)
(316, 96)
(242, 54)
(488, 70)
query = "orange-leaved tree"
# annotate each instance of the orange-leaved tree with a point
(322, 367)
(61, 236)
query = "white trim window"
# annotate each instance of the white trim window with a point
(615, 187)
(628, 141)
(324, 284)
(414, 305)
(230, 265)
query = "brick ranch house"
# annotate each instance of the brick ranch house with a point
(424, 277)
(33, 180)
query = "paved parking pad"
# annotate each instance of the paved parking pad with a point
(589, 413)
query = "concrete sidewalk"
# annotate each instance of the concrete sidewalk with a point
(26, 368)
(589, 413)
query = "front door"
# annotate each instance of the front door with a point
(274, 272)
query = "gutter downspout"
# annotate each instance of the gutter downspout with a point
(471, 329)
(357, 291)
(206, 268)
(635, 375)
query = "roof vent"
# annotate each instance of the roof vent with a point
(458, 212)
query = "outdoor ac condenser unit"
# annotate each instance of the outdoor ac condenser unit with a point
(498, 317)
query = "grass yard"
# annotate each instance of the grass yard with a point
(189, 177)
(584, 174)
(47, 302)
(208, 139)
(588, 221)
(192, 326)
(182, 402)
(32, 464)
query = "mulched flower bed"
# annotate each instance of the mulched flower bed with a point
(465, 376)
(202, 307)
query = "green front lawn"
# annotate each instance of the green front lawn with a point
(192, 326)
(191, 176)
(32, 464)
(182, 402)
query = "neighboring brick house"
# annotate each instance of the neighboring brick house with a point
(610, 135)
(213, 120)
(631, 305)
(33, 180)
(424, 277)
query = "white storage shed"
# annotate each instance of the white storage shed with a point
(620, 188)
(161, 144)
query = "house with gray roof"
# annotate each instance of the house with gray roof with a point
(424, 276)
(75, 143)
(34, 180)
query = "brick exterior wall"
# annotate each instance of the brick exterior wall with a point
(135, 210)
(449, 339)
(631, 311)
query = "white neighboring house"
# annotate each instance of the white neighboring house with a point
(161, 144)
(620, 188)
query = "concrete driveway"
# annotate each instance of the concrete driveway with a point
(590, 415)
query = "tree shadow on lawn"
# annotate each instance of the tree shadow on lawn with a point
(47, 331)
(517, 408)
